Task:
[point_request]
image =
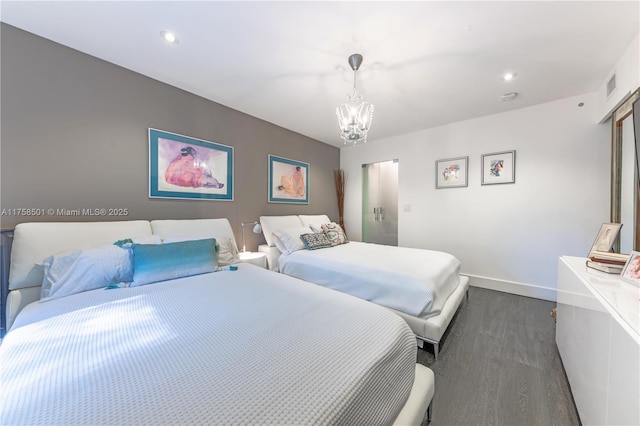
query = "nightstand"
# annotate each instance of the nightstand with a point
(258, 259)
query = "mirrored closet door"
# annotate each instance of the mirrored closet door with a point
(380, 203)
(624, 180)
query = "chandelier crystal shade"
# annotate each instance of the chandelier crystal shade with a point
(354, 116)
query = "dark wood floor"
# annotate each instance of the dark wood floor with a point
(499, 365)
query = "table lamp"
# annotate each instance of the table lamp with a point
(256, 230)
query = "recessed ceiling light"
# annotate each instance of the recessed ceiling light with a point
(508, 97)
(169, 37)
(509, 76)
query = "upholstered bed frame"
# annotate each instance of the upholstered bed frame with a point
(430, 330)
(6, 239)
(30, 243)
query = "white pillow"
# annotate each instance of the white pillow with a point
(314, 220)
(76, 271)
(227, 253)
(288, 240)
(271, 224)
(317, 228)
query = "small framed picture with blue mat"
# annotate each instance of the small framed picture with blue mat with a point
(288, 181)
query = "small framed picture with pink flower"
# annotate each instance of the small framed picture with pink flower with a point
(631, 271)
(452, 172)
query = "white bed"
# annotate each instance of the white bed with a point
(229, 347)
(422, 286)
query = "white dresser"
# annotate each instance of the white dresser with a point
(598, 336)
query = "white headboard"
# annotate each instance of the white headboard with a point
(273, 223)
(314, 220)
(193, 228)
(35, 241)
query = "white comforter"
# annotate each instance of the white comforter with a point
(415, 281)
(231, 347)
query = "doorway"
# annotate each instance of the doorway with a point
(380, 203)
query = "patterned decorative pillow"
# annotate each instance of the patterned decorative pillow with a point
(335, 233)
(316, 240)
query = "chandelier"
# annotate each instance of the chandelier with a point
(354, 116)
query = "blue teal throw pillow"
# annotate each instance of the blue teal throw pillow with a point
(161, 262)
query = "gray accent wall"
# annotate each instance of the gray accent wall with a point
(74, 136)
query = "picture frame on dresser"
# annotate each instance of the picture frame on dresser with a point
(452, 172)
(499, 168)
(606, 237)
(187, 168)
(631, 271)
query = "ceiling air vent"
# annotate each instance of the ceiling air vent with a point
(611, 85)
(508, 97)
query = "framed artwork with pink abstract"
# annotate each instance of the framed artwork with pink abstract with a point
(452, 172)
(631, 271)
(188, 168)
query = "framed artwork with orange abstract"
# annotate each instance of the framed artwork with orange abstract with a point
(288, 181)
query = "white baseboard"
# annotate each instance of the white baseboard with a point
(528, 290)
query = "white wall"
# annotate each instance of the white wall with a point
(508, 237)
